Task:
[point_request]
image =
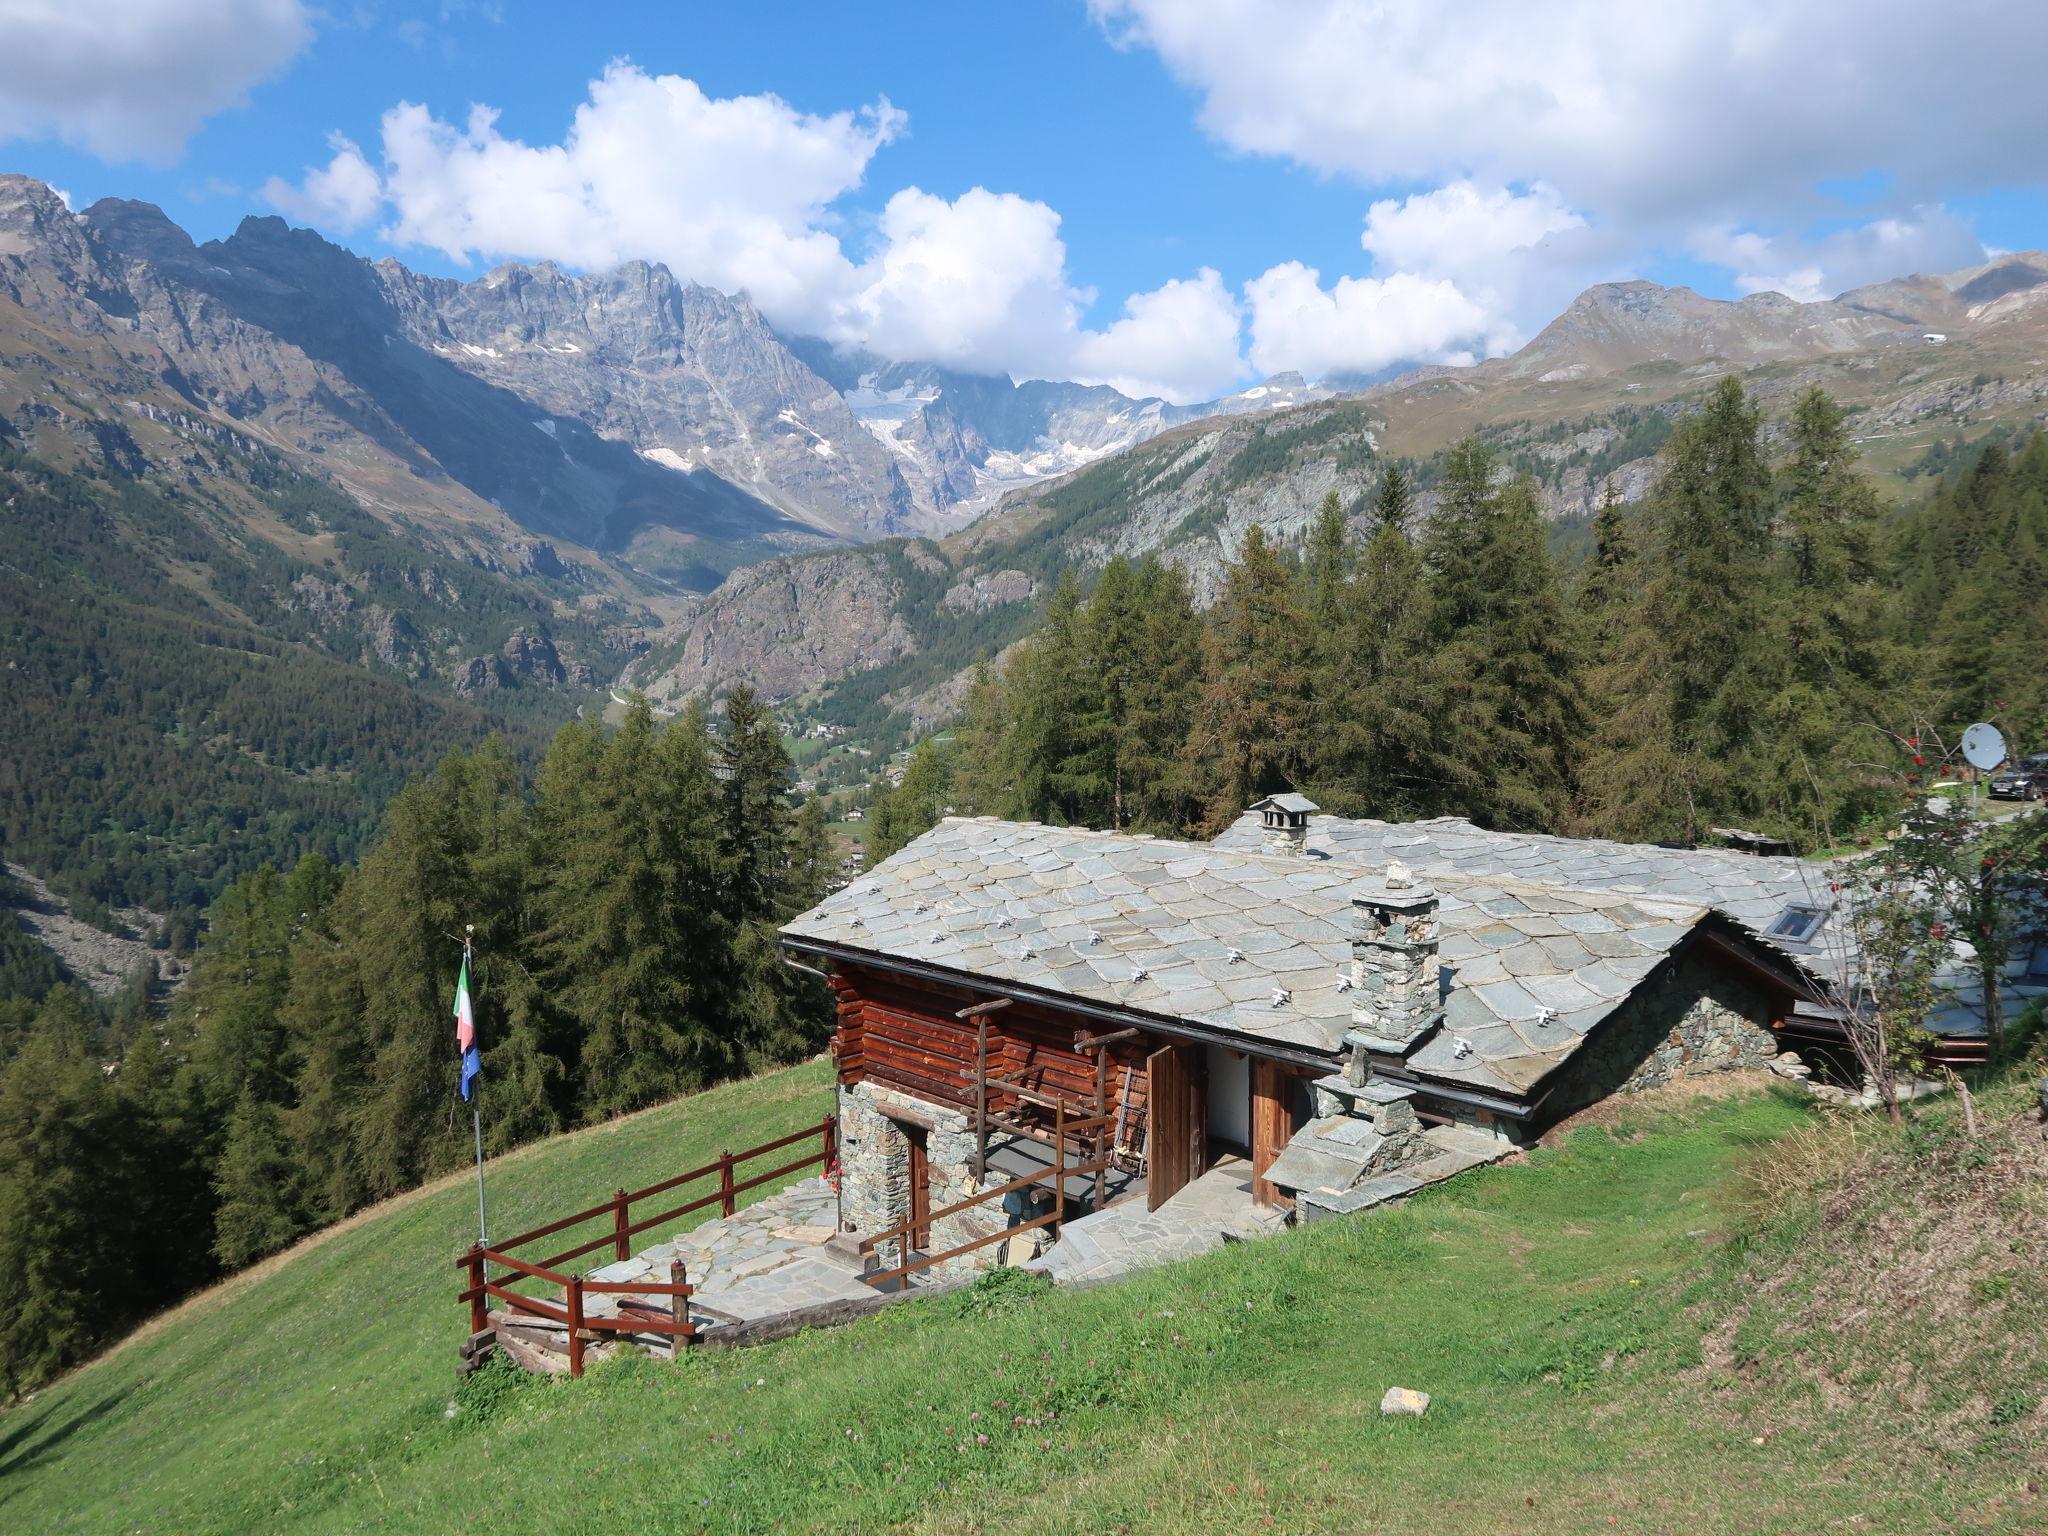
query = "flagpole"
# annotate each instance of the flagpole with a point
(476, 1119)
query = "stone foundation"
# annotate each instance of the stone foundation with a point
(874, 1173)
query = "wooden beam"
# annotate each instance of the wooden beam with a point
(988, 1007)
(1097, 1042)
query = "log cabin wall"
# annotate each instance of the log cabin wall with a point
(901, 1032)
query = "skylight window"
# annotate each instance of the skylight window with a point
(1797, 924)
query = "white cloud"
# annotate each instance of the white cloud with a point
(345, 194)
(956, 282)
(1715, 114)
(729, 191)
(1928, 239)
(1460, 227)
(1179, 341)
(1361, 324)
(134, 79)
(738, 193)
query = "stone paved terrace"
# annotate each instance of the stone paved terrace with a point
(768, 1259)
(1127, 1237)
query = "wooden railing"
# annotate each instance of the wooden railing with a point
(1061, 1170)
(621, 1228)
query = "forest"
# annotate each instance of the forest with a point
(622, 906)
(1761, 644)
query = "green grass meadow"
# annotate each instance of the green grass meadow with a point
(1572, 1313)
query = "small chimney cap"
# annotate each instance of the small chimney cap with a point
(1398, 887)
(1291, 803)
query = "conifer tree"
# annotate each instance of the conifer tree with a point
(1161, 793)
(634, 944)
(1377, 744)
(261, 1203)
(913, 807)
(755, 774)
(1392, 502)
(1326, 572)
(1689, 692)
(1254, 710)
(981, 785)
(1048, 689)
(73, 1196)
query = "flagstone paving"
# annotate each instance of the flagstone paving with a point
(1214, 1209)
(767, 1259)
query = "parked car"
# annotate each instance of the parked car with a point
(2026, 779)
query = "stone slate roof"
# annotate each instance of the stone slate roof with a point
(1256, 945)
(1752, 890)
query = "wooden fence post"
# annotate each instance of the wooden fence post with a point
(678, 1306)
(573, 1294)
(479, 1303)
(725, 1183)
(1101, 1140)
(829, 1127)
(621, 1239)
(1059, 1167)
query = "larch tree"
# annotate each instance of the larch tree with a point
(1254, 713)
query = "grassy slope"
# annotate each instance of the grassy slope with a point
(294, 1389)
(1600, 1359)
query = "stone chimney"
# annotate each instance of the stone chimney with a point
(1396, 989)
(1286, 821)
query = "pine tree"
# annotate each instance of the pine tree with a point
(1251, 723)
(755, 773)
(635, 946)
(1378, 746)
(1688, 691)
(1161, 793)
(1047, 690)
(1824, 659)
(1392, 502)
(981, 783)
(1326, 571)
(72, 1199)
(914, 806)
(262, 1206)
(811, 867)
(1523, 671)
(1453, 549)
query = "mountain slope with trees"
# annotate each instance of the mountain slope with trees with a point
(623, 903)
(1757, 643)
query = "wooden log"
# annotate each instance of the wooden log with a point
(531, 1357)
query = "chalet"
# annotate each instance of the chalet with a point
(1349, 1018)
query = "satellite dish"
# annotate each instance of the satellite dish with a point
(1983, 746)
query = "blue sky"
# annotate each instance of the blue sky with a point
(1173, 195)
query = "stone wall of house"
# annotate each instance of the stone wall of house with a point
(1689, 1019)
(874, 1172)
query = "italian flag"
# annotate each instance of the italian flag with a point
(465, 1030)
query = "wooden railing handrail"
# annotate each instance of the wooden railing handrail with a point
(869, 1244)
(574, 1288)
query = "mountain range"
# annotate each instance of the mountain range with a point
(659, 426)
(651, 474)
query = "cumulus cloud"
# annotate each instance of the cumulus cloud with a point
(345, 194)
(1722, 116)
(738, 193)
(134, 79)
(1179, 341)
(1361, 324)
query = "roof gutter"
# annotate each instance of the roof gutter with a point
(1153, 1023)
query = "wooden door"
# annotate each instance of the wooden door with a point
(920, 1189)
(1274, 1120)
(1174, 1143)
